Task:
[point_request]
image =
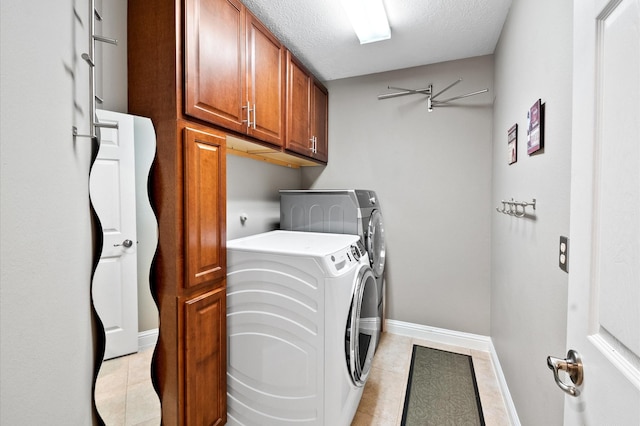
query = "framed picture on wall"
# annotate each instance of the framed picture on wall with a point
(512, 144)
(535, 127)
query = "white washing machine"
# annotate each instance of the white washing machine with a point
(302, 328)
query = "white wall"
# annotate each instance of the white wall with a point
(252, 190)
(47, 346)
(529, 291)
(432, 175)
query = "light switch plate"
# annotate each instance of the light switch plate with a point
(563, 255)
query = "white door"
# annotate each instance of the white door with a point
(604, 252)
(112, 189)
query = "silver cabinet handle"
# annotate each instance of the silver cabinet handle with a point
(126, 244)
(254, 116)
(314, 145)
(248, 120)
(573, 366)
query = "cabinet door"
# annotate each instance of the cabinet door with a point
(206, 359)
(265, 82)
(204, 207)
(298, 107)
(320, 121)
(214, 62)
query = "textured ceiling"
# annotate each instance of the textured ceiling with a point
(422, 32)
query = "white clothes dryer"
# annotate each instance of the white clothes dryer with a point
(302, 327)
(340, 211)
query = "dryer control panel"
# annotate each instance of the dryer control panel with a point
(342, 261)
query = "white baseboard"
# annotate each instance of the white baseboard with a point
(147, 339)
(458, 338)
(502, 382)
(440, 335)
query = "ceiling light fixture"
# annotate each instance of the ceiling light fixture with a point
(368, 19)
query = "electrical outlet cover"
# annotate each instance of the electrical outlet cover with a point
(563, 255)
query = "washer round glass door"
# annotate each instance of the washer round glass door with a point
(363, 327)
(375, 243)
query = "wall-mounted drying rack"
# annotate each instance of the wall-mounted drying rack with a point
(432, 102)
(89, 58)
(511, 207)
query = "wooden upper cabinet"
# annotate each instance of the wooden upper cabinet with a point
(204, 210)
(298, 107)
(234, 70)
(214, 62)
(307, 112)
(265, 82)
(320, 121)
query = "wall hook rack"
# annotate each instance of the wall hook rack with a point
(516, 208)
(432, 102)
(89, 58)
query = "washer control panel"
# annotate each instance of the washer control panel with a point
(358, 250)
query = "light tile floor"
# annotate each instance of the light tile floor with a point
(383, 397)
(124, 393)
(125, 396)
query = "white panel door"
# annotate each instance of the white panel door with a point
(112, 188)
(604, 255)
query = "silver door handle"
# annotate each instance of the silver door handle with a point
(126, 244)
(572, 364)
